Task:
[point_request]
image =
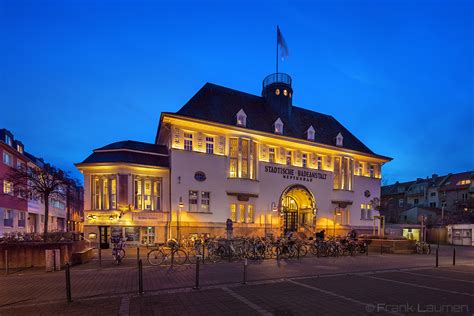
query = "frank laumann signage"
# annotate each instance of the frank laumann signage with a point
(293, 174)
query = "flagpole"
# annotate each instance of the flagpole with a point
(277, 52)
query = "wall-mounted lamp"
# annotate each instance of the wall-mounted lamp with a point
(274, 207)
(180, 204)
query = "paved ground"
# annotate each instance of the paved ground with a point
(393, 284)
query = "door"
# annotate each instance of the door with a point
(457, 236)
(466, 237)
(104, 236)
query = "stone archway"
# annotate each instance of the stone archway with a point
(297, 208)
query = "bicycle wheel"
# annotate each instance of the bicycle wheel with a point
(179, 257)
(303, 251)
(213, 256)
(118, 254)
(192, 256)
(155, 257)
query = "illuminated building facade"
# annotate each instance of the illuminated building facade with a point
(268, 165)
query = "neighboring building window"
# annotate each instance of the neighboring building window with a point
(21, 219)
(7, 187)
(19, 148)
(242, 158)
(416, 201)
(8, 218)
(7, 159)
(241, 213)
(464, 182)
(188, 141)
(250, 215)
(400, 203)
(432, 204)
(147, 193)
(464, 196)
(288, 157)
(444, 204)
(8, 140)
(271, 154)
(209, 145)
(433, 194)
(20, 165)
(304, 160)
(205, 201)
(320, 162)
(233, 212)
(193, 201)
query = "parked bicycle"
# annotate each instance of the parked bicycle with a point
(118, 253)
(167, 255)
(423, 248)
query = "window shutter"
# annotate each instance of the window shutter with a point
(177, 137)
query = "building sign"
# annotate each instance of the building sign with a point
(293, 174)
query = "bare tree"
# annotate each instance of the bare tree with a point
(46, 183)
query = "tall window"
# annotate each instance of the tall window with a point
(304, 160)
(7, 159)
(245, 159)
(242, 158)
(8, 218)
(343, 170)
(363, 211)
(19, 148)
(233, 212)
(205, 201)
(21, 219)
(188, 141)
(271, 154)
(233, 155)
(372, 171)
(250, 215)
(242, 213)
(147, 193)
(193, 201)
(320, 162)
(8, 140)
(288, 157)
(209, 145)
(113, 194)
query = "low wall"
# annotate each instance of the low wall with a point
(32, 254)
(392, 246)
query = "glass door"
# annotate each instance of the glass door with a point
(104, 236)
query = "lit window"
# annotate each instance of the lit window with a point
(245, 159)
(7, 187)
(193, 201)
(363, 211)
(233, 155)
(113, 194)
(305, 160)
(233, 212)
(320, 162)
(271, 154)
(7, 159)
(250, 215)
(285, 92)
(147, 195)
(210, 145)
(288, 157)
(205, 201)
(188, 141)
(277, 91)
(242, 213)
(464, 182)
(242, 159)
(372, 171)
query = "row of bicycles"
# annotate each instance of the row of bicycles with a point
(253, 248)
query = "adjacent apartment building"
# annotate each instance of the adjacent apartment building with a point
(268, 165)
(450, 196)
(22, 212)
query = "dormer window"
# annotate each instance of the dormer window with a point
(339, 140)
(278, 126)
(19, 148)
(8, 140)
(310, 133)
(241, 118)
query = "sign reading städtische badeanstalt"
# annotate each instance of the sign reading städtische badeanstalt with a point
(293, 174)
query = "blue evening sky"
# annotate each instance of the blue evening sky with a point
(77, 75)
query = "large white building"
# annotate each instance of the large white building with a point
(268, 165)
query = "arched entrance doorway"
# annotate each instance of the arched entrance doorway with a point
(297, 208)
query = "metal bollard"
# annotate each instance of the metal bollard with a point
(437, 257)
(203, 252)
(68, 283)
(140, 277)
(6, 262)
(454, 256)
(196, 285)
(100, 257)
(244, 281)
(138, 255)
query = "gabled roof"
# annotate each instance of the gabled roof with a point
(220, 104)
(453, 179)
(131, 152)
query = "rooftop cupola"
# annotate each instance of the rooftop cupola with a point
(278, 93)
